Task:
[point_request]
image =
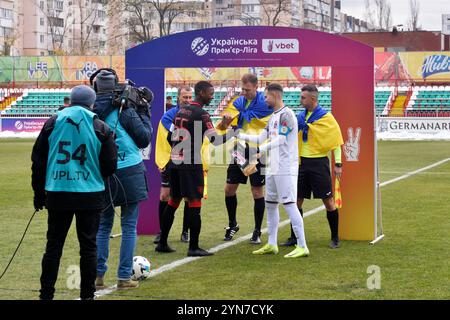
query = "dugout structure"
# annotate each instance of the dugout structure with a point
(352, 85)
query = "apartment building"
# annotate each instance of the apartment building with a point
(48, 27)
(97, 27)
(126, 23)
(9, 37)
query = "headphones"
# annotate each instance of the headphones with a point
(94, 75)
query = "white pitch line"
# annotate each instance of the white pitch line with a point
(438, 173)
(412, 173)
(177, 263)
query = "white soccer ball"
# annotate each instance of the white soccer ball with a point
(141, 268)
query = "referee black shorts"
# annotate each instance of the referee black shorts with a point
(186, 183)
(314, 176)
(236, 176)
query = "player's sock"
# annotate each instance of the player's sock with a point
(231, 203)
(161, 208)
(292, 230)
(258, 211)
(168, 217)
(185, 219)
(297, 223)
(195, 224)
(333, 221)
(273, 218)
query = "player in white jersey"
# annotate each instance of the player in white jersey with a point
(281, 171)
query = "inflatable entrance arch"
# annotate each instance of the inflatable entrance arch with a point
(352, 65)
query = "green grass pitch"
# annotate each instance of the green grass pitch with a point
(412, 259)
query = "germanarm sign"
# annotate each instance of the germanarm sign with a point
(413, 128)
(417, 125)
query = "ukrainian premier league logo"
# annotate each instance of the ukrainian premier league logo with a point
(18, 125)
(200, 46)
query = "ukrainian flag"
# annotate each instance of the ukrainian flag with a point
(163, 148)
(250, 116)
(324, 135)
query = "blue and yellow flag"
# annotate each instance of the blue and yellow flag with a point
(324, 135)
(250, 116)
(163, 148)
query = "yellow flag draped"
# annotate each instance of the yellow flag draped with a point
(162, 148)
(324, 135)
(253, 127)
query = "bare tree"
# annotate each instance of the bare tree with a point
(321, 16)
(138, 20)
(413, 20)
(8, 43)
(247, 19)
(87, 20)
(58, 23)
(381, 15)
(273, 11)
(11, 35)
(387, 20)
(167, 11)
(369, 14)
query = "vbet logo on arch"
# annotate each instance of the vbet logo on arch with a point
(280, 46)
(233, 45)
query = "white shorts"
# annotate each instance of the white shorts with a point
(281, 189)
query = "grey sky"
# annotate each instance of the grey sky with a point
(430, 14)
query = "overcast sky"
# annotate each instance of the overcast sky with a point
(430, 14)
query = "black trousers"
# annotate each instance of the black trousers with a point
(58, 225)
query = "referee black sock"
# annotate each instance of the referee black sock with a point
(185, 217)
(258, 210)
(231, 204)
(292, 230)
(167, 221)
(161, 208)
(333, 221)
(195, 225)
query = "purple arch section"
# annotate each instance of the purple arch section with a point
(353, 96)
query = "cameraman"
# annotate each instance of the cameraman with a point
(72, 154)
(133, 130)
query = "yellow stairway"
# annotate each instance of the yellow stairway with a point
(6, 102)
(397, 108)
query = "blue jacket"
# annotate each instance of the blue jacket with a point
(137, 124)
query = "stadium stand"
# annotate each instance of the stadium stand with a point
(429, 101)
(424, 100)
(382, 97)
(37, 102)
(219, 95)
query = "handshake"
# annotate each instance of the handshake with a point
(225, 122)
(244, 155)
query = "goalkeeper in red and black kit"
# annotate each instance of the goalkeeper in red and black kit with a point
(191, 124)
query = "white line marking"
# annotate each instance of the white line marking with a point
(177, 263)
(409, 174)
(428, 173)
